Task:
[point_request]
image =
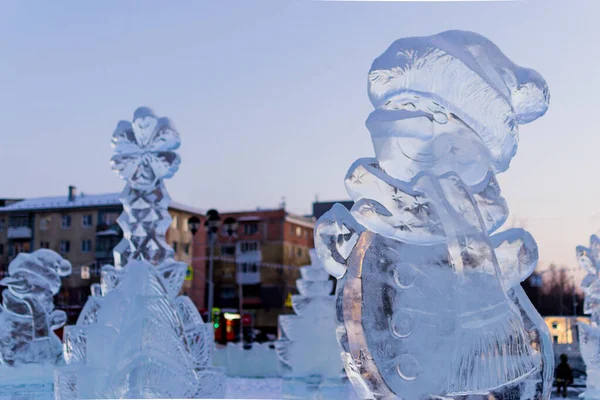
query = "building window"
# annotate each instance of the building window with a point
(18, 222)
(250, 228)
(65, 222)
(555, 325)
(44, 245)
(227, 250)
(298, 231)
(86, 220)
(187, 248)
(249, 267)
(2, 224)
(86, 245)
(65, 246)
(247, 247)
(45, 223)
(17, 248)
(174, 222)
(110, 218)
(227, 293)
(299, 252)
(175, 247)
(555, 339)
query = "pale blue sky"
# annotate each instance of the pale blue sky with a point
(270, 97)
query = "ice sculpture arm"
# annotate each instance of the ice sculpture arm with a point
(517, 255)
(38, 314)
(57, 319)
(336, 234)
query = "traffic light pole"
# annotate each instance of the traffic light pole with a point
(211, 285)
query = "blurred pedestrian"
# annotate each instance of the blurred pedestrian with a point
(564, 375)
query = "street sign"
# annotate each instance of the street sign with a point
(189, 273)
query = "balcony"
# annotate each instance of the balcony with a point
(108, 230)
(248, 278)
(19, 232)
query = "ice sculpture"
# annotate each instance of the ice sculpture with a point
(307, 346)
(589, 335)
(29, 348)
(27, 315)
(429, 305)
(135, 337)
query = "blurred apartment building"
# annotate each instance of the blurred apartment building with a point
(263, 253)
(83, 229)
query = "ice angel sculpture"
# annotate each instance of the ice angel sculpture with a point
(307, 346)
(136, 337)
(429, 305)
(589, 335)
(27, 315)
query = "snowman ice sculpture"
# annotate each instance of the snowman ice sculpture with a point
(429, 304)
(27, 315)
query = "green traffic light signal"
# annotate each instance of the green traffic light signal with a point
(216, 325)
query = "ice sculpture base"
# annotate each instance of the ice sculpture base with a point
(590, 394)
(27, 383)
(260, 361)
(212, 382)
(316, 388)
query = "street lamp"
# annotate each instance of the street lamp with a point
(230, 227)
(213, 220)
(194, 225)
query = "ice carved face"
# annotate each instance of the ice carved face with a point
(36, 275)
(443, 98)
(421, 135)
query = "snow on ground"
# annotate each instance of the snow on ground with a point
(254, 388)
(272, 388)
(572, 393)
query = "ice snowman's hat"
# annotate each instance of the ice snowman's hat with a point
(465, 74)
(45, 265)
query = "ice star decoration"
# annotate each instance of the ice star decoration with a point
(145, 149)
(357, 178)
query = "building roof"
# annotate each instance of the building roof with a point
(321, 207)
(80, 201)
(255, 215)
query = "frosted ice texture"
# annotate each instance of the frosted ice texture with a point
(429, 305)
(27, 315)
(308, 344)
(589, 335)
(136, 337)
(307, 347)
